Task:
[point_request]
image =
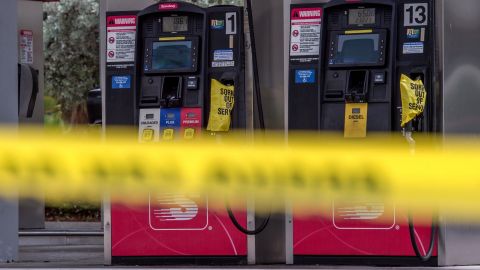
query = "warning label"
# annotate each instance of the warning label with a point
(305, 31)
(26, 47)
(121, 38)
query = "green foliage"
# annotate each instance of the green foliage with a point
(71, 40)
(72, 211)
(53, 114)
(71, 51)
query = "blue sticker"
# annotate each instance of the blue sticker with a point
(305, 76)
(413, 48)
(223, 55)
(121, 82)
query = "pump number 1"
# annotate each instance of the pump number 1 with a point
(416, 14)
(231, 24)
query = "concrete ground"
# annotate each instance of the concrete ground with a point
(61, 245)
(57, 251)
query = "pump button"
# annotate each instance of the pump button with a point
(379, 77)
(192, 83)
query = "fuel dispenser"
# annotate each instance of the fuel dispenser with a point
(176, 72)
(346, 61)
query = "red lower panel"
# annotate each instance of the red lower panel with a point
(358, 230)
(172, 226)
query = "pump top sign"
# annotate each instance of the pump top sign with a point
(168, 6)
(305, 31)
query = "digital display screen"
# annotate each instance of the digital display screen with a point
(175, 24)
(172, 55)
(358, 49)
(361, 16)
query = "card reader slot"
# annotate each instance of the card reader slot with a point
(149, 100)
(334, 94)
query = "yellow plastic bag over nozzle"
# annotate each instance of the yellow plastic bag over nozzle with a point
(221, 106)
(414, 97)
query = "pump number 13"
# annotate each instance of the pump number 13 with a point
(416, 14)
(231, 24)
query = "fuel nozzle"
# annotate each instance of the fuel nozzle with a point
(407, 132)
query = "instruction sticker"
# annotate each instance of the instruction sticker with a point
(121, 82)
(221, 64)
(223, 55)
(305, 31)
(121, 32)
(305, 76)
(356, 120)
(413, 48)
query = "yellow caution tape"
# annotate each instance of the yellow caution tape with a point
(309, 173)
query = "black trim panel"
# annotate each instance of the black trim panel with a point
(364, 261)
(190, 260)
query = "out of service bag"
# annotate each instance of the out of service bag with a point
(221, 106)
(414, 98)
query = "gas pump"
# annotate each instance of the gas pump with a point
(346, 61)
(185, 73)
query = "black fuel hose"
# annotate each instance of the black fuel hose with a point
(433, 236)
(239, 227)
(261, 119)
(256, 78)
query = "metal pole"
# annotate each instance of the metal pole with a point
(8, 116)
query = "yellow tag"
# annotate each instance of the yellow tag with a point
(414, 97)
(221, 106)
(356, 120)
(355, 32)
(148, 135)
(189, 133)
(171, 38)
(168, 134)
